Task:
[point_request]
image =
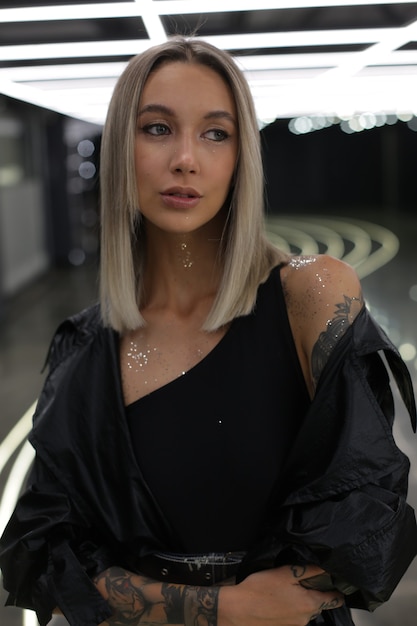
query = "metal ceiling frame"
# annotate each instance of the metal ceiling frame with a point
(380, 77)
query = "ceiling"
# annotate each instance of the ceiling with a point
(300, 57)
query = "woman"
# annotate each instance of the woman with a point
(213, 443)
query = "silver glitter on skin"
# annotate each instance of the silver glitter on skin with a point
(186, 257)
(342, 323)
(322, 284)
(298, 262)
(137, 359)
(152, 360)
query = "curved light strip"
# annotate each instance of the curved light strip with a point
(14, 483)
(294, 235)
(328, 237)
(390, 245)
(302, 230)
(16, 436)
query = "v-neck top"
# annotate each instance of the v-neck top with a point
(211, 443)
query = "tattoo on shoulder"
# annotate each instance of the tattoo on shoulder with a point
(344, 314)
(137, 600)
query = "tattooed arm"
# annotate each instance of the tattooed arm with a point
(323, 297)
(136, 599)
(274, 597)
(343, 315)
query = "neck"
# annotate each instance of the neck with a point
(182, 271)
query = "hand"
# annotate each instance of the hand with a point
(275, 598)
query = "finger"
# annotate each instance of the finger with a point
(305, 571)
(333, 603)
(315, 616)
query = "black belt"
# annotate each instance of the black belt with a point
(191, 569)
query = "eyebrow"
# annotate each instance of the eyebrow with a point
(219, 115)
(156, 108)
(162, 108)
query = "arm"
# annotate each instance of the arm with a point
(47, 552)
(342, 499)
(56, 556)
(323, 297)
(273, 597)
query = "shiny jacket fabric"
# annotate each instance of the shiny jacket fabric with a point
(340, 503)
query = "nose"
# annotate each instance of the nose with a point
(185, 156)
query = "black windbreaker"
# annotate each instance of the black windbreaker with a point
(340, 503)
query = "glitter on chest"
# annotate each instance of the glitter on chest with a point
(138, 359)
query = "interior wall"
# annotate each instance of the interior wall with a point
(22, 235)
(331, 171)
(23, 245)
(48, 193)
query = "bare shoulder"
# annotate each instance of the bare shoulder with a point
(315, 280)
(323, 296)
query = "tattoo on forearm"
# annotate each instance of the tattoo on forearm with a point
(344, 314)
(174, 603)
(136, 600)
(200, 606)
(125, 597)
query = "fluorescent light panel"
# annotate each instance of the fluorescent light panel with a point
(282, 84)
(273, 98)
(70, 71)
(152, 20)
(73, 50)
(280, 64)
(170, 7)
(226, 42)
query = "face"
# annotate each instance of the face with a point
(186, 147)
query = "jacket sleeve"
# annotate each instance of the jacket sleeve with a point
(342, 501)
(48, 555)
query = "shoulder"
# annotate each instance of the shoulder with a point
(318, 278)
(323, 297)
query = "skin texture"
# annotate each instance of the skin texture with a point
(191, 142)
(323, 297)
(188, 142)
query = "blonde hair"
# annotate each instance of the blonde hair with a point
(247, 255)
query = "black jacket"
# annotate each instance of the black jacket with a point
(341, 501)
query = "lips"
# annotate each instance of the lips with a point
(182, 192)
(181, 197)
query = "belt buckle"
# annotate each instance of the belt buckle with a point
(196, 562)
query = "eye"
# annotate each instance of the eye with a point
(217, 134)
(156, 129)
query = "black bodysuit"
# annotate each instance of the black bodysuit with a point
(212, 442)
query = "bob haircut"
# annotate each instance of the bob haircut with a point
(246, 255)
